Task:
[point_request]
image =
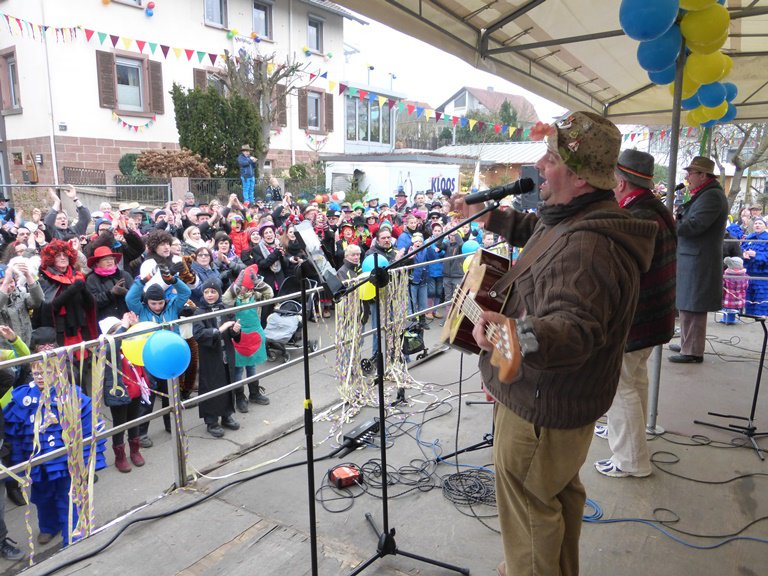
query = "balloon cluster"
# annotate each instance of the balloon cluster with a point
(660, 26)
(307, 51)
(232, 33)
(150, 9)
(255, 37)
(163, 353)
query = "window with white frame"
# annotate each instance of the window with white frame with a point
(216, 12)
(262, 19)
(368, 121)
(13, 82)
(314, 110)
(315, 34)
(130, 83)
(131, 2)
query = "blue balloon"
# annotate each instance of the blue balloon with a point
(150, 12)
(660, 53)
(711, 95)
(166, 355)
(690, 103)
(709, 123)
(470, 246)
(368, 263)
(729, 116)
(647, 19)
(731, 91)
(666, 76)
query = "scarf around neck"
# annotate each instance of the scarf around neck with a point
(551, 215)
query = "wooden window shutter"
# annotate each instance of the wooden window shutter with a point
(303, 125)
(156, 95)
(328, 99)
(282, 105)
(200, 78)
(105, 73)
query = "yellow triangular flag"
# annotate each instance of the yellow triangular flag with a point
(331, 86)
(512, 131)
(270, 67)
(177, 51)
(382, 100)
(114, 116)
(472, 123)
(127, 43)
(428, 113)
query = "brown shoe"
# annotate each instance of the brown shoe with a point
(502, 568)
(44, 538)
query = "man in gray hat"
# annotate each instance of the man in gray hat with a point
(653, 323)
(700, 225)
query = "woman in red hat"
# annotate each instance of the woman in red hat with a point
(107, 283)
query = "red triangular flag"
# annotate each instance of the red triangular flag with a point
(480, 125)
(189, 53)
(141, 44)
(363, 94)
(497, 128)
(342, 88)
(312, 76)
(455, 120)
(88, 34)
(410, 108)
(438, 115)
(135, 128)
(663, 134)
(114, 39)
(632, 137)
(165, 50)
(213, 58)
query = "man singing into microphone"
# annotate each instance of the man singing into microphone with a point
(574, 289)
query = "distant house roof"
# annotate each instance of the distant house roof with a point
(335, 9)
(498, 153)
(493, 100)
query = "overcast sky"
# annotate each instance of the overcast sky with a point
(423, 72)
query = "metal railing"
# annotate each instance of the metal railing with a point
(84, 176)
(209, 188)
(147, 190)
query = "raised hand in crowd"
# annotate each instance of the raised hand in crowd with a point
(119, 288)
(71, 192)
(55, 200)
(7, 333)
(226, 325)
(129, 319)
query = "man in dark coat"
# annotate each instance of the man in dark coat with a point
(653, 323)
(700, 225)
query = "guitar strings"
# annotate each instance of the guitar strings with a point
(473, 312)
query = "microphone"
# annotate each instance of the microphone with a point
(680, 186)
(522, 186)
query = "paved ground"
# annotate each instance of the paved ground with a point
(261, 526)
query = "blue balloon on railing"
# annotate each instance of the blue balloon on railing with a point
(647, 19)
(666, 76)
(166, 355)
(731, 91)
(711, 95)
(369, 264)
(660, 53)
(470, 246)
(709, 123)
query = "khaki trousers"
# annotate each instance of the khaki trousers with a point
(627, 414)
(539, 495)
(693, 332)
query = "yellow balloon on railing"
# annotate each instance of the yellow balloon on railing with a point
(706, 25)
(689, 86)
(133, 348)
(367, 291)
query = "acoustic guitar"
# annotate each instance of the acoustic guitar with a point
(471, 298)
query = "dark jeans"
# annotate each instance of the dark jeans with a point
(123, 414)
(144, 409)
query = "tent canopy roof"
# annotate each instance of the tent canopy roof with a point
(573, 52)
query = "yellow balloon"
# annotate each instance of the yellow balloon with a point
(709, 46)
(692, 5)
(703, 26)
(689, 86)
(367, 291)
(705, 68)
(467, 262)
(692, 118)
(728, 66)
(133, 348)
(716, 112)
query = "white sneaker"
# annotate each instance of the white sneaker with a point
(601, 431)
(608, 468)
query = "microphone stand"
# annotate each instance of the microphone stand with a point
(380, 278)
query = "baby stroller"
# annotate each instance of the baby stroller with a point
(412, 343)
(283, 329)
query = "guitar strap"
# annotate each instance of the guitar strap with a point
(528, 258)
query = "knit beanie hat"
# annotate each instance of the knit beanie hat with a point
(154, 292)
(212, 283)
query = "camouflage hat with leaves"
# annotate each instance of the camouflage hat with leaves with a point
(587, 143)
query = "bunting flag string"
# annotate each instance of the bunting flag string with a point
(133, 127)
(37, 32)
